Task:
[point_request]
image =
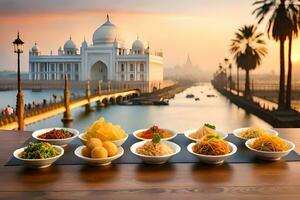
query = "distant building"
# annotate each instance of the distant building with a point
(187, 71)
(106, 59)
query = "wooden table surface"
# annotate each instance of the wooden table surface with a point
(275, 180)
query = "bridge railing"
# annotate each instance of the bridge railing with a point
(43, 108)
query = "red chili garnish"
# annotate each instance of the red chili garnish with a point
(149, 134)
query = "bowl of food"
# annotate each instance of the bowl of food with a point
(39, 154)
(212, 149)
(82, 137)
(105, 132)
(148, 134)
(155, 151)
(56, 136)
(247, 133)
(206, 129)
(99, 153)
(270, 147)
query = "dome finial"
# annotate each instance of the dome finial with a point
(137, 36)
(70, 37)
(107, 17)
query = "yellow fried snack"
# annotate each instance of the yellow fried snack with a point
(85, 151)
(93, 143)
(99, 152)
(111, 148)
(105, 131)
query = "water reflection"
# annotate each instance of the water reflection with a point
(181, 114)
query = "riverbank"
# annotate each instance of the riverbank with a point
(278, 119)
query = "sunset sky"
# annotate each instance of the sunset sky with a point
(200, 28)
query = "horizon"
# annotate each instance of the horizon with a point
(179, 30)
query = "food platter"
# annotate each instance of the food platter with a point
(138, 134)
(73, 133)
(38, 163)
(190, 131)
(103, 144)
(155, 159)
(264, 155)
(209, 159)
(98, 161)
(237, 132)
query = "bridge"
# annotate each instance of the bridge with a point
(41, 112)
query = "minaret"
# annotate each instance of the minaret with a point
(188, 62)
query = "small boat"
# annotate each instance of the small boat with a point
(189, 96)
(197, 99)
(161, 103)
(210, 95)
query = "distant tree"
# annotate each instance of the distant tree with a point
(247, 48)
(280, 26)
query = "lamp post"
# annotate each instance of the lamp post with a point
(18, 49)
(230, 77)
(226, 65)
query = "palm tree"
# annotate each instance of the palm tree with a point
(247, 48)
(293, 14)
(280, 26)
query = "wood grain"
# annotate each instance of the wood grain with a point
(275, 180)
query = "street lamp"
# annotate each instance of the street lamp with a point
(226, 65)
(230, 77)
(18, 49)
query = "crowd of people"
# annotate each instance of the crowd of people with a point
(7, 111)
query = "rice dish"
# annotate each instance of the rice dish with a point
(155, 149)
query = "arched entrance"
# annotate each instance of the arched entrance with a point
(99, 71)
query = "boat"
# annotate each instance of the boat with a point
(197, 99)
(189, 96)
(210, 95)
(161, 103)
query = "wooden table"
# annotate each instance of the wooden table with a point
(277, 180)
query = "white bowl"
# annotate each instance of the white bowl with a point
(116, 142)
(238, 130)
(155, 159)
(162, 139)
(59, 142)
(188, 132)
(212, 159)
(38, 163)
(266, 155)
(82, 138)
(98, 161)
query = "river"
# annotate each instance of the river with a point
(181, 114)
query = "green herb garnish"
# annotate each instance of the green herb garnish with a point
(156, 138)
(213, 136)
(39, 150)
(210, 126)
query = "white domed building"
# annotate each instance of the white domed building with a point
(105, 59)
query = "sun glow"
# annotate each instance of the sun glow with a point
(295, 57)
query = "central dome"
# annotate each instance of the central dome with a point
(105, 34)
